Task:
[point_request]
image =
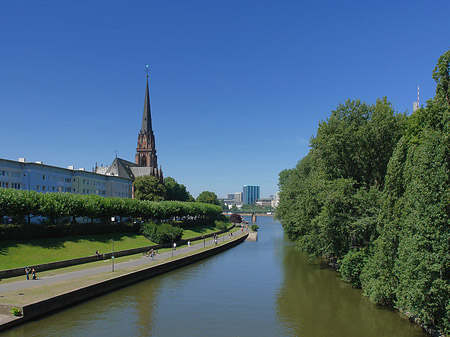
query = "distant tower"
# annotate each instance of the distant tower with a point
(416, 104)
(146, 150)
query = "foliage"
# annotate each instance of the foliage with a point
(16, 311)
(222, 225)
(235, 218)
(161, 233)
(208, 197)
(148, 188)
(254, 228)
(175, 191)
(58, 206)
(351, 266)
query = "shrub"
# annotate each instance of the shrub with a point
(351, 266)
(161, 233)
(222, 225)
(16, 311)
(254, 228)
(235, 218)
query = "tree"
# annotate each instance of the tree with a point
(235, 218)
(175, 191)
(208, 197)
(148, 188)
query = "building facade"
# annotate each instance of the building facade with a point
(250, 194)
(36, 176)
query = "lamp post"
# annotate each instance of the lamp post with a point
(112, 255)
(172, 243)
(203, 234)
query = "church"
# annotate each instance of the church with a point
(146, 161)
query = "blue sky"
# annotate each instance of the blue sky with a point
(237, 87)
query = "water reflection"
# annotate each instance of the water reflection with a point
(313, 301)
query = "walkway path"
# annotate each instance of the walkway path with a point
(108, 266)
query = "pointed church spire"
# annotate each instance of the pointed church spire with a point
(146, 115)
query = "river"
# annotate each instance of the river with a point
(263, 288)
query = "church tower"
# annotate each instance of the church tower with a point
(146, 150)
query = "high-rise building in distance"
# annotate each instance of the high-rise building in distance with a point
(250, 194)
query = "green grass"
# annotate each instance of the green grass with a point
(192, 232)
(15, 254)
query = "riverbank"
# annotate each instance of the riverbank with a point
(43, 298)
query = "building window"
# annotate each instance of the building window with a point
(37, 187)
(43, 177)
(67, 189)
(15, 174)
(60, 188)
(43, 188)
(68, 180)
(4, 173)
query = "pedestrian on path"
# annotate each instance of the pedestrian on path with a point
(27, 272)
(33, 273)
(189, 244)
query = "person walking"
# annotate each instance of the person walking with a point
(33, 273)
(189, 244)
(27, 272)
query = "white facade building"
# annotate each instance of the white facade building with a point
(43, 178)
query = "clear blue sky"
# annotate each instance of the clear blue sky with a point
(237, 87)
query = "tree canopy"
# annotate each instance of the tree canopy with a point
(148, 188)
(208, 197)
(176, 191)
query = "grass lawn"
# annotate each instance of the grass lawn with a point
(16, 254)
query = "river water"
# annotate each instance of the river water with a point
(263, 288)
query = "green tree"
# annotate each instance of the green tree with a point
(148, 188)
(208, 197)
(176, 191)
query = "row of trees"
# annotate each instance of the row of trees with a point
(22, 204)
(149, 188)
(374, 193)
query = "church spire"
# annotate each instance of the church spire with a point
(146, 150)
(146, 115)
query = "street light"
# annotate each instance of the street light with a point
(172, 242)
(112, 254)
(203, 234)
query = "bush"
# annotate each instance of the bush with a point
(222, 225)
(351, 266)
(161, 233)
(16, 311)
(254, 228)
(235, 218)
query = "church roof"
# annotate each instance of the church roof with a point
(121, 167)
(146, 115)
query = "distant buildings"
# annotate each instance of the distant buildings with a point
(250, 194)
